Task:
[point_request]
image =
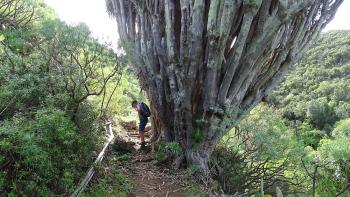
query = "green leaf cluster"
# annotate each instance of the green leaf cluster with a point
(41, 152)
(52, 80)
(167, 150)
(301, 134)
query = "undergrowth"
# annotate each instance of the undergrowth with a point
(165, 150)
(109, 180)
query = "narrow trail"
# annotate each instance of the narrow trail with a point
(150, 179)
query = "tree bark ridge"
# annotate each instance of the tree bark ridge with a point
(200, 59)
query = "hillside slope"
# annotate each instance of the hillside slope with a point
(317, 90)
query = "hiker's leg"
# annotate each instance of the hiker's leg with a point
(142, 126)
(142, 136)
(142, 139)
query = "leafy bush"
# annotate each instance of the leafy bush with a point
(41, 156)
(342, 129)
(312, 138)
(165, 150)
(110, 181)
(48, 71)
(320, 113)
(193, 170)
(48, 121)
(334, 175)
(260, 147)
(26, 166)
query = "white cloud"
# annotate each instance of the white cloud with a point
(341, 20)
(91, 12)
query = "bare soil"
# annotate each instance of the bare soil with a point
(149, 179)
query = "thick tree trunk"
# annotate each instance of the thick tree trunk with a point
(199, 157)
(199, 59)
(197, 139)
(196, 155)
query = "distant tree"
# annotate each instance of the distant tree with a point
(198, 59)
(15, 13)
(54, 58)
(320, 113)
(313, 97)
(317, 90)
(84, 65)
(328, 167)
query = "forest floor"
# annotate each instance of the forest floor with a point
(148, 178)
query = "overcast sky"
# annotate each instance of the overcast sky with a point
(93, 13)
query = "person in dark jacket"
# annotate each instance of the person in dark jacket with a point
(144, 113)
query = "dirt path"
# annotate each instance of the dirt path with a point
(149, 180)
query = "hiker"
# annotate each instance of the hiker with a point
(144, 112)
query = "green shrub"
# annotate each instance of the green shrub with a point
(334, 159)
(170, 149)
(123, 158)
(193, 170)
(261, 146)
(29, 166)
(342, 128)
(45, 155)
(312, 138)
(110, 181)
(48, 123)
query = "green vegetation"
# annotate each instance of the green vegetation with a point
(166, 150)
(299, 139)
(196, 137)
(316, 92)
(315, 100)
(44, 151)
(57, 82)
(109, 181)
(194, 191)
(260, 147)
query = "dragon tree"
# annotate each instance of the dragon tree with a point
(199, 59)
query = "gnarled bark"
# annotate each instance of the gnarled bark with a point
(198, 58)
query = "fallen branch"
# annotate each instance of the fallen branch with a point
(90, 173)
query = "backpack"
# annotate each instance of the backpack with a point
(145, 111)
